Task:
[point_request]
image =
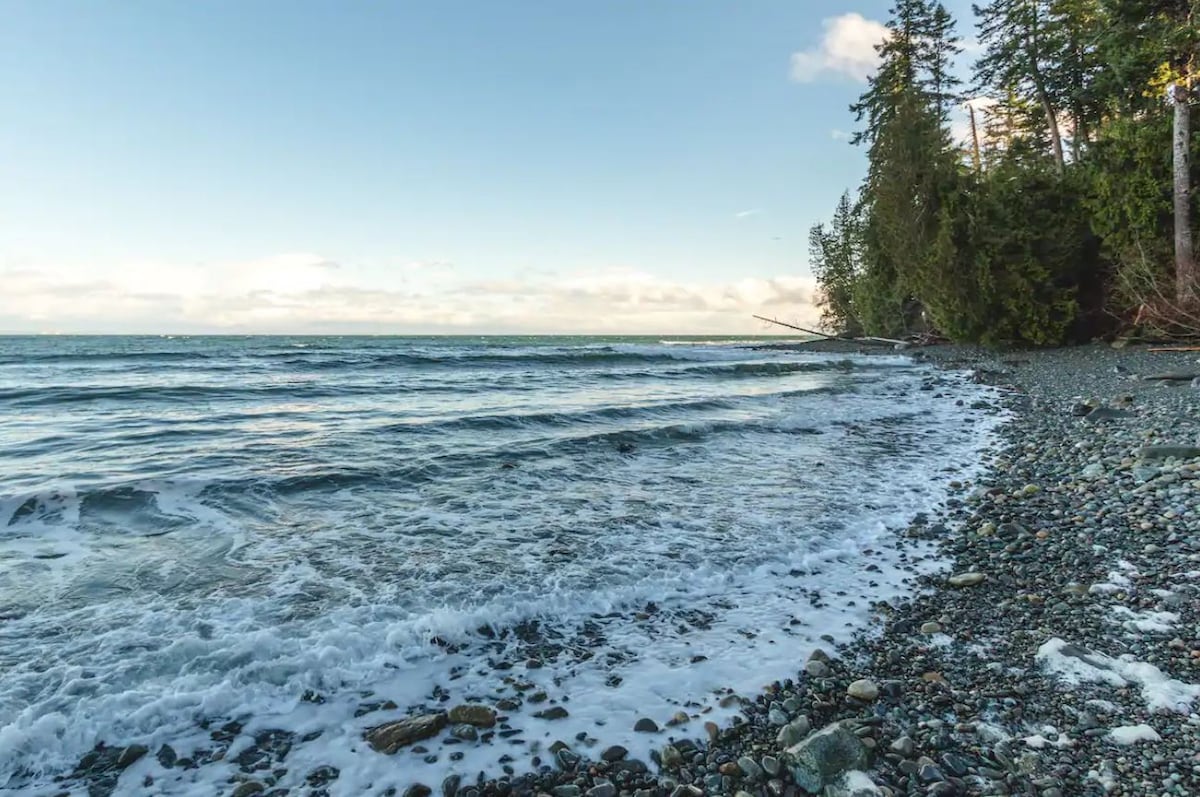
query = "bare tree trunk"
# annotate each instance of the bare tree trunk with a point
(1039, 84)
(1076, 142)
(1052, 124)
(1186, 282)
(975, 139)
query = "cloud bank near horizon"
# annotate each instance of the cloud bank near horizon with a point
(305, 293)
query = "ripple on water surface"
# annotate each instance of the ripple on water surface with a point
(313, 536)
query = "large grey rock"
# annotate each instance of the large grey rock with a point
(823, 756)
(390, 737)
(966, 579)
(1169, 452)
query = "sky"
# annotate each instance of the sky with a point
(426, 166)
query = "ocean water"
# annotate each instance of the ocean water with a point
(287, 532)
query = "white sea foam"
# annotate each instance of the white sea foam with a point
(1118, 579)
(1042, 739)
(1075, 665)
(1132, 734)
(1147, 621)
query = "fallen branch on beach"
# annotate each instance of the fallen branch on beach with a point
(875, 340)
(801, 329)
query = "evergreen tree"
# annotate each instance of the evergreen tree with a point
(939, 46)
(834, 255)
(1075, 28)
(1016, 61)
(905, 110)
(1082, 199)
(1142, 194)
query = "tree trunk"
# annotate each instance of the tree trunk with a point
(1052, 124)
(1185, 260)
(1039, 84)
(975, 140)
(1076, 137)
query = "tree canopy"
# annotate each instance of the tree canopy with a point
(1056, 221)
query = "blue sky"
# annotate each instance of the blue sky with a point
(449, 166)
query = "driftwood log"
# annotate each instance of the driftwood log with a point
(877, 341)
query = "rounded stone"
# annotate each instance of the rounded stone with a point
(863, 689)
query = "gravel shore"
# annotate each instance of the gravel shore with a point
(1058, 655)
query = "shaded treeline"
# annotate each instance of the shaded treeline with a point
(1065, 209)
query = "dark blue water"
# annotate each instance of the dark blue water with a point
(197, 528)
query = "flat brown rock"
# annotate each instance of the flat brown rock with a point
(390, 737)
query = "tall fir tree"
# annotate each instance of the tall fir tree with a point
(905, 110)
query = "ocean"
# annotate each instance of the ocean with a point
(315, 535)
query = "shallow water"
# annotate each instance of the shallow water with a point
(194, 530)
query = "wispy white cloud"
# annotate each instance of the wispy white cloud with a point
(971, 46)
(745, 214)
(840, 135)
(307, 293)
(847, 48)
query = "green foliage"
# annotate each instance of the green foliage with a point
(905, 113)
(1011, 251)
(881, 307)
(835, 256)
(1069, 211)
(1041, 63)
(1129, 198)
